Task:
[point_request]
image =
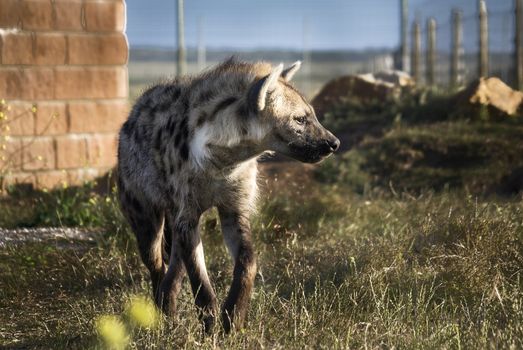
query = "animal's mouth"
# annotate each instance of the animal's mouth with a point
(310, 153)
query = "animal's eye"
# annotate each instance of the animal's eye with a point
(300, 120)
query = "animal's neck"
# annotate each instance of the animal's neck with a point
(223, 157)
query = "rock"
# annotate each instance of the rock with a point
(344, 88)
(396, 77)
(493, 93)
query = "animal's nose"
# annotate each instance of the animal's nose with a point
(334, 144)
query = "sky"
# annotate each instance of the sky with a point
(293, 24)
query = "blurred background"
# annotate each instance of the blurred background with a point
(332, 37)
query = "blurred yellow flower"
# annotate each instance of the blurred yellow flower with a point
(142, 312)
(112, 331)
(33, 109)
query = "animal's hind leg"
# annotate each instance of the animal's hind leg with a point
(187, 250)
(147, 223)
(172, 283)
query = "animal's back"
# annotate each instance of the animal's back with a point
(137, 152)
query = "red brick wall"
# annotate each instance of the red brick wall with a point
(68, 59)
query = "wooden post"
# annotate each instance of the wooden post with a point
(201, 56)
(431, 52)
(416, 52)
(306, 56)
(181, 65)
(457, 52)
(483, 70)
(404, 34)
(518, 48)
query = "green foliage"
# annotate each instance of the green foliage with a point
(83, 206)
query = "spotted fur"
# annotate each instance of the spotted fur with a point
(192, 144)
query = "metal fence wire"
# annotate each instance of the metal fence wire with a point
(499, 34)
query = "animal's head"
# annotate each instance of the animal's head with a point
(293, 127)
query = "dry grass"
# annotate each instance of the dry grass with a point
(360, 272)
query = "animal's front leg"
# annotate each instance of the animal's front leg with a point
(191, 249)
(237, 235)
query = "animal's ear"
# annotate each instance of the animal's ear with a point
(288, 73)
(259, 91)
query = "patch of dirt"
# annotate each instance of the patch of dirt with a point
(58, 234)
(288, 175)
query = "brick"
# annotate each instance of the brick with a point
(51, 118)
(97, 49)
(71, 152)
(38, 83)
(89, 117)
(80, 176)
(10, 155)
(38, 153)
(102, 150)
(36, 14)
(51, 179)
(11, 83)
(96, 82)
(49, 49)
(68, 15)
(104, 16)
(16, 48)
(27, 83)
(20, 119)
(9, 13)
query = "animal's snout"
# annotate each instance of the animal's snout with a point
(333, 144)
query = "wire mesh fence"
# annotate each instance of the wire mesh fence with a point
(322, 65)
(501, 43)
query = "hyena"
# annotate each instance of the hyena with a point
(192, 144)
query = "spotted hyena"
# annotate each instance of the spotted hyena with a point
(192, 144)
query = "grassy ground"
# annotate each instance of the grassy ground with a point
(415, 253)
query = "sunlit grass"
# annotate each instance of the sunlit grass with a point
(433, 271)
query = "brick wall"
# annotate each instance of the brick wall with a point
(63, 67)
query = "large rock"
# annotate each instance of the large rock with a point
(492, 93)
(396, 77)
(365, 88)
(344, 88)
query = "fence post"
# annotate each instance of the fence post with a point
(483, 70)
(181, 67)
(416, 52)
(457, 52)
(201, 55)
(518, 48)
(404, 12)
(431, 52)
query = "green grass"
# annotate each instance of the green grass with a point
(407, 240)
(415, 148)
